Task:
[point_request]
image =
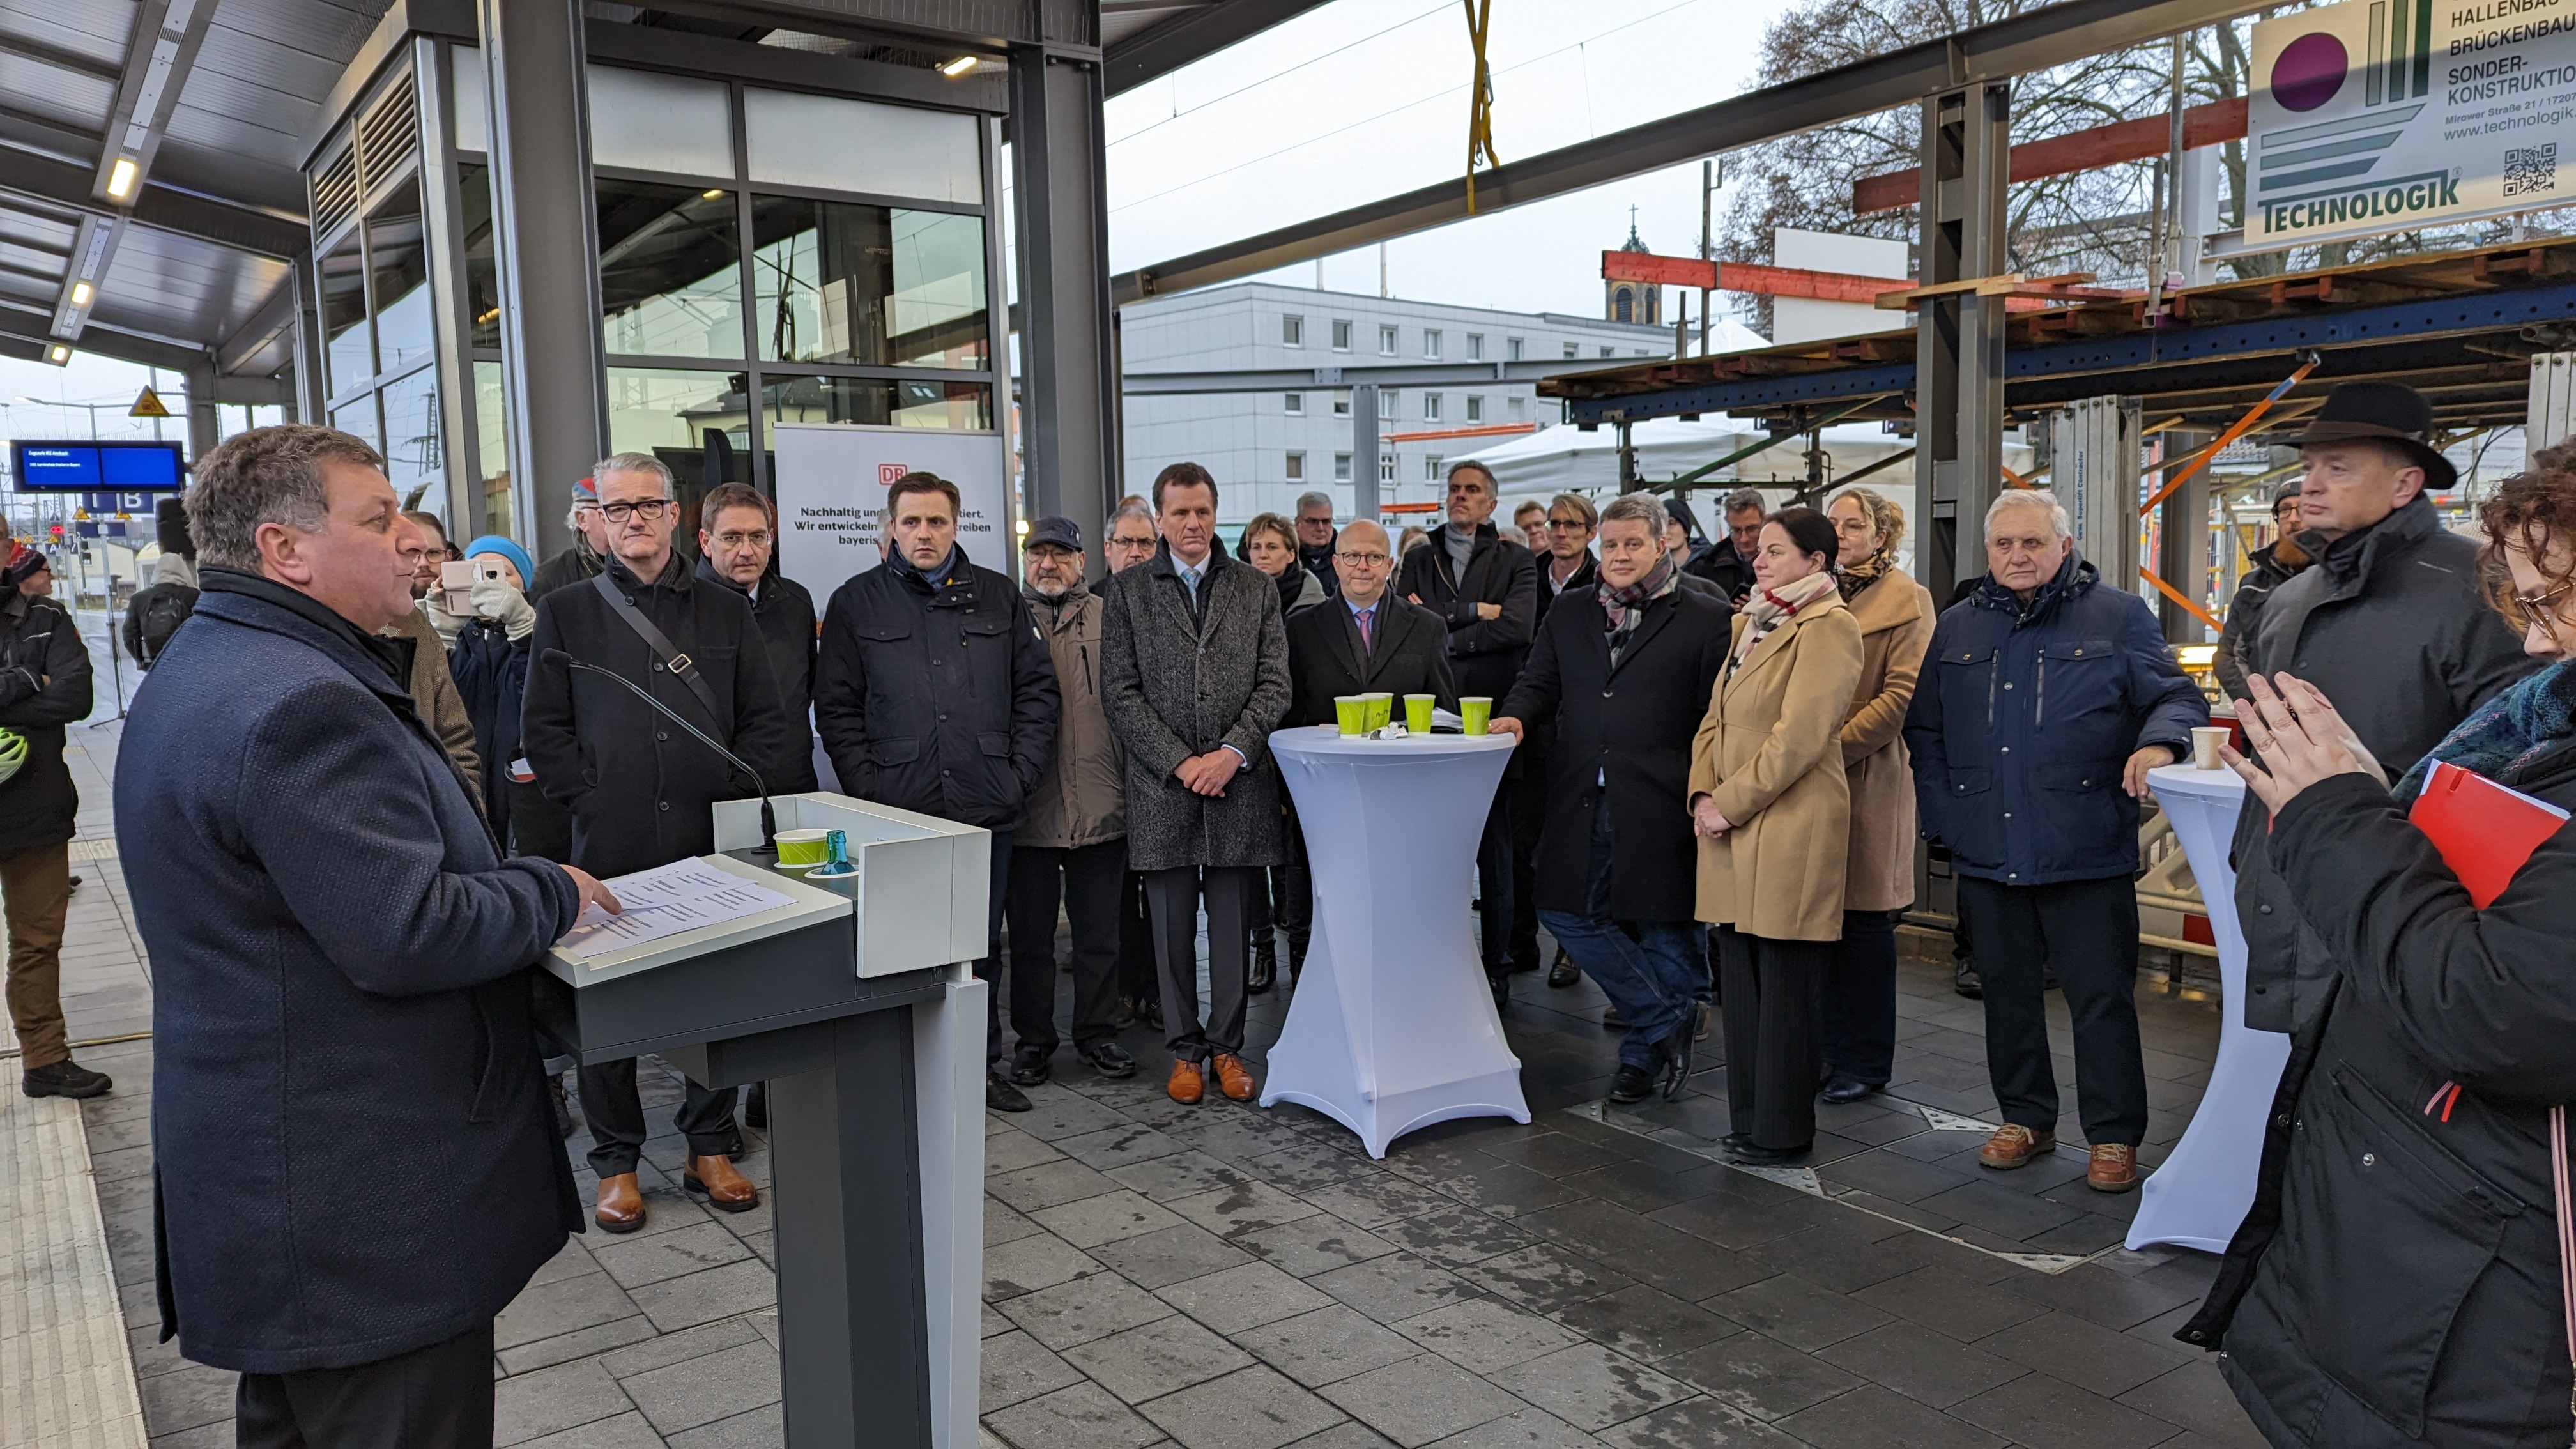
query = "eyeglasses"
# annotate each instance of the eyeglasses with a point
(740, 540)
(2542, 609)
(1567, 525)
(647, 509)
(1365, 560)
(1143, 543)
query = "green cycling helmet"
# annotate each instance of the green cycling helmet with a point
(13, 753)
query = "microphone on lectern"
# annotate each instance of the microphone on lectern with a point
(768, 817)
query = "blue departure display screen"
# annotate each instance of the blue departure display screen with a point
(74, 467)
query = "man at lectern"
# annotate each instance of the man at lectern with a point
(356, 1167)
(640, 790)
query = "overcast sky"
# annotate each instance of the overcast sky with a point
(1361, 99)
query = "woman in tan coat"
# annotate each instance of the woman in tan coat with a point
(1773, 812)
(1895, 615)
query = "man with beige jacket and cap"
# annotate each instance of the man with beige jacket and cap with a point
(1073, 850)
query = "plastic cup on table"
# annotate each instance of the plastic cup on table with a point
(1351, 712)
(1417, 713)
(1381, 709)
(1475, 712)
(2205, 740)
(803, 848)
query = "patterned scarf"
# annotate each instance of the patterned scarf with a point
(1867, 572)
(2507, 731)
(1768, 609)
(1622, 608)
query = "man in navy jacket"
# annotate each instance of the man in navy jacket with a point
(2047, 696)
(355, 1164)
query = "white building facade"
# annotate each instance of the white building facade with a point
(1266, 448)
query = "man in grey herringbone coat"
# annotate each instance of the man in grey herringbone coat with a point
(1194, 677)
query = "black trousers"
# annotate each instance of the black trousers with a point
(1771, 995)
(1528, 796)
(2087, 931)
(1860, 1000)
(1494, 884)
(439, 1397)
(615, 1114)
(1285, 901)
(1174, 896)
(1138, 977)
(1083, 880)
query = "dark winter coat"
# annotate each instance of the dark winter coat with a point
(941, 701)
(1484, 654)
(1180, 680)
(2024, 721)
(640, 790)
(2391, 624)
(1584, 576)
(492, 682)
(574, 565)
(1319, 562)
(785, 613)
(1325, 661)
(44, 685)
(2396, 1281)
(1636, 723)
(2244, 612)
(1721, 565)
(354, 1155)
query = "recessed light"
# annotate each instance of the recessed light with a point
(120, 178)
(80, 294)
(959, 66)
(59, 353)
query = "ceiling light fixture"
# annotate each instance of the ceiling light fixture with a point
(59, 353)
(80, 294)
(711, 193)
(120, 178)
(959, 66)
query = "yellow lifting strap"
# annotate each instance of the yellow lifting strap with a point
(1480, 99)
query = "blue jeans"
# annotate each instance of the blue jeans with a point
(1654, 979)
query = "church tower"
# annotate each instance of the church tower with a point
(1632, 301)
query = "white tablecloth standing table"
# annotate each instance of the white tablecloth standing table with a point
(1393, 1026)
(2200, 1194)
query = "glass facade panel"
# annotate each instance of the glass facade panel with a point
(647, 121)
(414, 460)
(400, 262)
(663, 411)
(845, 282)
(963, 406)
(492, 442)
(835, 144)
(345, 339)
(482, 273)
(670, 276)
(359, 419)
(465, 116)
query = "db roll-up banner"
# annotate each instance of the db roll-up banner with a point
(831, 485)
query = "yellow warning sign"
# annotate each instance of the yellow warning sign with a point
(148, 404)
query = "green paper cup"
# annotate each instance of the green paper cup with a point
(1381, 710)
(1351, 711)
(808, 848)
(1417, 712)
(1476, 711)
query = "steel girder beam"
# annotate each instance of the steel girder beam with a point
(1068, 364)
(990, 26)
(167, 36)
(544, 237)
(1366, 451)
(203, 218)
(1132, 60)
(30, 324)
(2033, 40)
(1326, 379)
(1959, 338)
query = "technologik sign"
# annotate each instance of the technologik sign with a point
(2385, 115)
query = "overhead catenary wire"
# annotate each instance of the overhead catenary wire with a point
(1253, 85)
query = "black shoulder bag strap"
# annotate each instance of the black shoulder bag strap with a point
(667, 655)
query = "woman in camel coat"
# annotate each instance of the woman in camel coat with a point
(1895, 615)
(1772, 807)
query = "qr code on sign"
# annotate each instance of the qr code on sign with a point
(2531, 169)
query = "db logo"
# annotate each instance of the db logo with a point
(887, 473)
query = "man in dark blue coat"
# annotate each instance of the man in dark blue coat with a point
(356, 1167)
(936, 694)
(2046, 698)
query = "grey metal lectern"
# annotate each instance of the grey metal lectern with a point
(857, 1006)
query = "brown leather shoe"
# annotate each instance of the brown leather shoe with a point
(2114, 1168)
(621, 1204)
(1233, 1078)
(1188, 1085)
(2014, 1145)
(715, 1179)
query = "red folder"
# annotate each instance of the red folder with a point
(2485, 831)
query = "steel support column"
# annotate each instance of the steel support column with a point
(2552, 417)
(545, 238)
(2094, 472)
(1366, 449)
(1959, 347)
(2182, 541)
(204, 428)
(1068, 370)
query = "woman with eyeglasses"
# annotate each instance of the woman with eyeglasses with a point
(2402, 1278)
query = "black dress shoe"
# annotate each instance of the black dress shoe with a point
(1029, 1066)
(1754, 1154)
(1847, 1089)
(1263, 973)
(65, 1078)
(1109, 1059)
(1561, 972)
(1611, 1018)
(1675, 1073)
(1631, 1084)
(755, 1107)
(1502, 987)
(1964, 980)
(1001, 1096)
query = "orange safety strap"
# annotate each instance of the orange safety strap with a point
(2170, 592)
(2201, 459)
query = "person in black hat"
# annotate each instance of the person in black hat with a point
(2390, 624)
